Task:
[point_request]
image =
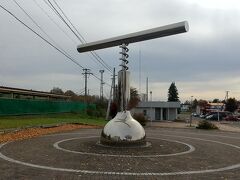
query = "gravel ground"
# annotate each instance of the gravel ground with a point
(34, 132)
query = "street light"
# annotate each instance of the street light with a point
(151, 106)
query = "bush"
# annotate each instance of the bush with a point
(206, 125)
(140, 118)
(96, 112)
(179, 120)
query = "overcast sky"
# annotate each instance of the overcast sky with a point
(203, 62)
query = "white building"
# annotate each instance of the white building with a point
(185, 107)
(158, 110)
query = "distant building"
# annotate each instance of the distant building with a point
(210, 107)
(185, 107)
(17, 93)
(158, 110)
(144, 97)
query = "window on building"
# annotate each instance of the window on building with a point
(144, 112)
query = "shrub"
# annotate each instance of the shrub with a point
(140, 118)
(206, 125)
(96, 113)
(179, 120)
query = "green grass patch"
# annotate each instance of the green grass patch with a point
(8, 122)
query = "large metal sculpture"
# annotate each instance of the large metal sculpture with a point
(123, 130)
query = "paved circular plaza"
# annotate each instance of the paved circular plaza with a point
(173, 154)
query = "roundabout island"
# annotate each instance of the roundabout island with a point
(172, 154)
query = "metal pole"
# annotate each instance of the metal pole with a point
(114, 88)
(123, 73)
(101, 84)
(86, 73)
(110, 98)
(151, 106)
(191, 113)
(147, 90)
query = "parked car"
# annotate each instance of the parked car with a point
(195, 115)
(203, 115)
(232, 118)
(214, 117)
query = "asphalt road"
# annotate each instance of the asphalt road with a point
(174, 154)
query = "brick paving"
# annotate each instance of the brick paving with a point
(216, 155)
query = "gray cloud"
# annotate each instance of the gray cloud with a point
(208, 54)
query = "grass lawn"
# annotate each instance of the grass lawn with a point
(36, 120)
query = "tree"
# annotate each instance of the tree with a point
(173, 93)
(187, 102)
(216, 101)
(231, 105)
(134, 98)
(57, 90)
(69, 93)
(202, 103)
(194, 103)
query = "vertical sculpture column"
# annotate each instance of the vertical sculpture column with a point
(123, 130)
(123, 79)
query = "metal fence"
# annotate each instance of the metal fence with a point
(26, 106)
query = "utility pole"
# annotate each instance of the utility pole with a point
(147, 90)
(112, 94)
(101, 85)
(140, 71)
(110, 97)
(226, 97)
(114, 84)
(151, 116)
(86, 73)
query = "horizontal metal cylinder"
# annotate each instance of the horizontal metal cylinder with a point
(158, 32)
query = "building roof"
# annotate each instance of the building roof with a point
(216, 104)
(4, 89)
(159, 104)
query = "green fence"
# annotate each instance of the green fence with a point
(25, 106)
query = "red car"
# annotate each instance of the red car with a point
(232, 118)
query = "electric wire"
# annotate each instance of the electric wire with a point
(92, 52)
(14, 16)
(78, 35)
(100, 80)
(41, 29)
(47, 34)
(64, 21)
(80, 38)
(59, 27)
(45, 40)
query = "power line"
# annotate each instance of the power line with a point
(76, 32)
(40, 36)
(69, 21)
(59, 27)
(45, 40)
(100, 80)
(92, 52)
(41, 29)
(45, 31)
